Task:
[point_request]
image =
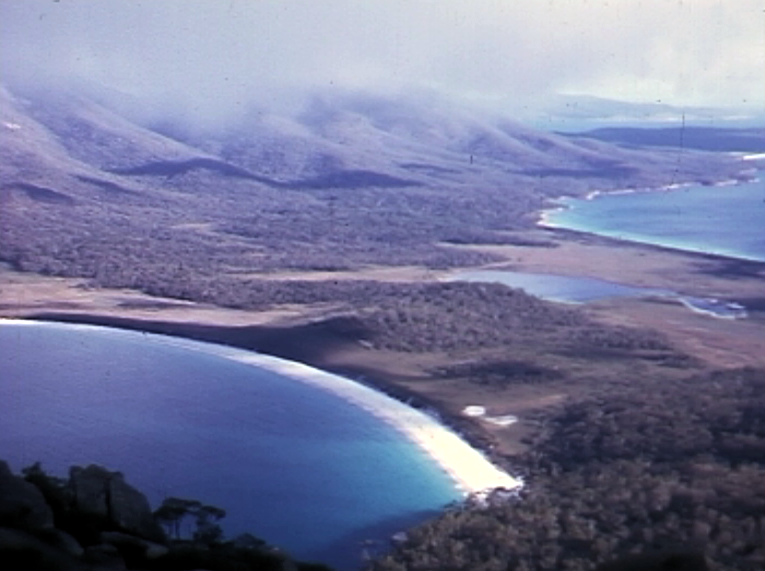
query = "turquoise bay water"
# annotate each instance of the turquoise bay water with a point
(291, 463)
(725, 220)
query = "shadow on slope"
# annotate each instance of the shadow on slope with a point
(353, 179)
(307, 343)
(174, 168)
(336, 179)
(41, 193)
(105, 185)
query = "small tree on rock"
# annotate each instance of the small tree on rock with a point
(174, 511)
(208, 531)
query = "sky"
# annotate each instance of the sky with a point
(218, 56)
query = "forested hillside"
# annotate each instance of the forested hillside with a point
(89, 192)
(658, 466)
(626, 441)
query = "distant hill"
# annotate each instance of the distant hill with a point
(722, 139)
(572, 113)
(96, 190)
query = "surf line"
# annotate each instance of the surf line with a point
(470, 470)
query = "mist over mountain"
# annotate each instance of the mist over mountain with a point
(305, 179)
(211, 62)
(226, 215)
(417, 140)
(351, 179)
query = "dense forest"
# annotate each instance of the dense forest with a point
(87, 192)
(656, 466)
(645, 447)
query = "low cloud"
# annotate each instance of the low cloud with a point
(216, 59)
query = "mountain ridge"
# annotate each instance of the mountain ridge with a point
(348, 183)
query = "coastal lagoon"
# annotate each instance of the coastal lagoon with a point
(577, 289)
(554, 287)
(311, 462)
(727, 220)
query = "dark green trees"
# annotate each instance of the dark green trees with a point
(174, 511)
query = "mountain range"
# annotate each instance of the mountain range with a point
(90, 187)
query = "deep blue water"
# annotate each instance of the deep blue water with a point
(725, 220)
(291, 463)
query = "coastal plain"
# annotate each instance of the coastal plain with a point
(308, 332)
(332, 238)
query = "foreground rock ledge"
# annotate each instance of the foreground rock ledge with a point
(96, 521)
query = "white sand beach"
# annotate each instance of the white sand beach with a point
(471, 471)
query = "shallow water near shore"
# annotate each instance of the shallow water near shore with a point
(294, 464)
(554, 287)
(727, 220)
(578, 289)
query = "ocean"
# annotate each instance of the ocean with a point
(725, 220)
(291, 463)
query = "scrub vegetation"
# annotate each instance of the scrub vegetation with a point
(651, 467)
(626, 442)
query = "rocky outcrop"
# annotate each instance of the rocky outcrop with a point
(104, 555)
(99, 492)
(22, 551)
(22, 505)
(90, 487)
(65, 542)
(95, 521)
(148, 549)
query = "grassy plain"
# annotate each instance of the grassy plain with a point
(330, 239)
(309, 332)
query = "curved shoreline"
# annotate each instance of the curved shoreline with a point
(468, 468)
(545, 224)
(563, 203)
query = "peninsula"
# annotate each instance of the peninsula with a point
(336, 252)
